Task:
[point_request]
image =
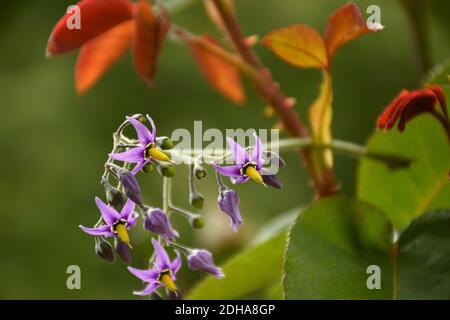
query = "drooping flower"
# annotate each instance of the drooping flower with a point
(107, 30)
(162, 274)
(247, 166)
(146, 148)
(116, 224)
(202, 260)
(409, 104)
(158, 222)
(229, 204)
(130, 185)
(123, 250)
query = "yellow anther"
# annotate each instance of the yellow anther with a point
(157, 154)
(121, 230)
(168, 282)
(251, 172)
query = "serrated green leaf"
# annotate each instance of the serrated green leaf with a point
(330, 248)
(407, 193)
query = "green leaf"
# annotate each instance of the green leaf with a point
(257, 268)
(424, 258)
(407, 193)
(330, 247)
(334, 241)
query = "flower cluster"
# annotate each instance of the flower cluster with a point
(118, 215)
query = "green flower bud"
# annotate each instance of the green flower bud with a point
(166, 143)
(196, 200)
(104, 250)
(148, 168)
(199, 172)
(166, 170)
(197, 222)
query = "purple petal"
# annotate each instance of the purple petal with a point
(273, 181)
(239, 154)
(153, 128)
(176, 263)
(100, 231)
(239, 180)
(132, 219)
(144, 135)
(139, 166)
(228, 171)
(134, 155)
(109, 214)
(127, 210)
(162, 259)
(148, 289)
(202, 260)
(257, 152)
(147, 275)
(158, 222)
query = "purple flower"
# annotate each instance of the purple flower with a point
(229, 203)
(157, 221)
(123, 251)
(162, 274)
(247, 166)
(116, 224)
(146, 148)
(202, 260)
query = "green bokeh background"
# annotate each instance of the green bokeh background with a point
(53, 142)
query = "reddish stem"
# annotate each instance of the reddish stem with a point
(325, 183)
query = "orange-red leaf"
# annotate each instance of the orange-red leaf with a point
(299, 45)
(221, 74)
(150, 32)
(97, 56)
(96, 17)
(345, 24)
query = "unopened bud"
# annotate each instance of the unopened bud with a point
(114, 197)
(149, 167)
(197, 222)
(199, 172)
(196, 200)
(166, 170)
(104, 250)
(166, 143)
(130, 185)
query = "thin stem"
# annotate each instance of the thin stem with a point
(220, 183)
(166, 194)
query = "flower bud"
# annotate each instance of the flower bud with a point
(157, 222)
(104, 250)
(123, 250)
(199, 172)
(130, 185)
(148, 168)
(166, 143)
(114, 196)
(201, 260)
(229, 204)
(166, 170)
(196, 200)
(273, 181)
(197, 222)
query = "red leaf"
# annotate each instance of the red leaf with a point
(150, 33)
(96, 17)
(221, 74)
(97, 56)
(345, 24)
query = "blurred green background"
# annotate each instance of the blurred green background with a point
(54, 143)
